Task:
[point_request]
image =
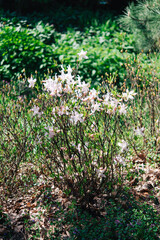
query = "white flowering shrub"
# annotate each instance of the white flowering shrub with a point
(78, 134)
(71, 132)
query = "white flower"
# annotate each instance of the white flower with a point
(51, 132)
(84, 87)
(139, 131)
(92, 95)
(122, 108)
(69, 69)
(114, 102)
(106, 99)
(128, 95)
(67, 89)
(95, 107)
(100, 172)
(78, 80)
(63, 75)
(123, 145)
(35, 110)
(48, 84)
(63, 110)
(67, 77)
(75, 117)
(110, 111)
(119, 159)
(54, 111)
(53, 86)
(79, 148)
(31, 82)
(82, 55)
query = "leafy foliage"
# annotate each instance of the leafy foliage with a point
(119, 222)
(40, 47)
(103, 44)
(25, 48)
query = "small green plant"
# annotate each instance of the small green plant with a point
(124, 219)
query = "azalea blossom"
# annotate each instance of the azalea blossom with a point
(31, 82)
(63, 75)
(51, 132)
(79, 148)
(123, 145)
(106, 99)
(82, 55)
(84, 87)
(100, 172)
(67, 78)
(128, 95)
(119, 159)
(53, 86)
(75, 117)
(54, 110)
(48, 84)
(69, 69)
(113, 104)
(95, 107)
(139, 131)
(63, 110)
(122, 108)
(110, 111)
(92, 95)
(35, 110)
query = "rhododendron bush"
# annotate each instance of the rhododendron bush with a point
(78, 137)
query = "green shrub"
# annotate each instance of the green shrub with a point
(25, 48)
(73, 131)
(103, 45)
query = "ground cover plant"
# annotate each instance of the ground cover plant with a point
(73, 148)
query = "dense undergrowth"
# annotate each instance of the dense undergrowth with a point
(33, 45)
(78, 126)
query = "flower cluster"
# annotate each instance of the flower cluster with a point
(80, 93)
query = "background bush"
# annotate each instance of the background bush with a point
(38, 46)
(24, 48)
